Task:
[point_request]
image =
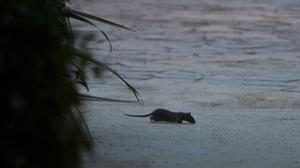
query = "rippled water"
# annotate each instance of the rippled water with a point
(203, 53)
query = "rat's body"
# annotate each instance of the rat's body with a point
(166, 115)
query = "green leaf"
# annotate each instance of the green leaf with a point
(82, 120)
(96, 98)
(80, 76)
(92, 17)
(80, 55)
(80, 18)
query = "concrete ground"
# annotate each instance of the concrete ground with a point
(234, 64)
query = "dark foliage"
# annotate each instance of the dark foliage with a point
(38, 125)
(39, 70)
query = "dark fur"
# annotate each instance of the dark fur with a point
(166, 115)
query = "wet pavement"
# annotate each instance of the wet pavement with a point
(234, 64)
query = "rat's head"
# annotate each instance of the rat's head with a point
(189, 118)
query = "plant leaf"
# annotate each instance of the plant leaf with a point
(83, 14)
(82, 120)
(80, 76)
(80, 18)
(105, 67)
(96, 98)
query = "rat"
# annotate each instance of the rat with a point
(166, 115)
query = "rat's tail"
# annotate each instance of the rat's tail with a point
(132, 115)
